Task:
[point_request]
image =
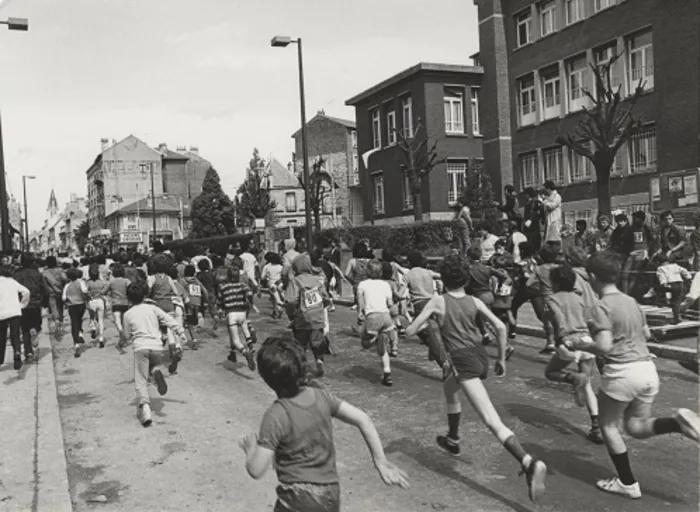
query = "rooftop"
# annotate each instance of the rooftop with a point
(164, 204)
(421, 67)
(322, 115)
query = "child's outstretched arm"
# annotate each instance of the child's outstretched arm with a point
(391, 474)
(257, 458)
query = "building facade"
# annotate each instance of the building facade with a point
(334, 140)
(537, 59)
(445, 99)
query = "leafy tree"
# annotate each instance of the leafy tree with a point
(212, 211)
(320, 183)
(417, 160)
(477, 194)
(604, 128)
(82, 233)
(255, 199)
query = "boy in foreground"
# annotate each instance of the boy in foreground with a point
(142, 325)
(297, 434)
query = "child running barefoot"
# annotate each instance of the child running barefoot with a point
(374, 302)
(296, 433)
(116, 291)
(96, 306)
(142, 324)
(629, 381)
(457, 315)
(235, 299)
(569, 322)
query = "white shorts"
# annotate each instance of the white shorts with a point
(630, 381)
(236, 318)
(96, 305)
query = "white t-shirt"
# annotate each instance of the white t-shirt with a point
(376, 294)
(488, 248)
(517, 239)
(249, 264)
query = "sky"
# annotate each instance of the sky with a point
(196, 73)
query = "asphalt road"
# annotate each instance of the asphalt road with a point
(189, 459)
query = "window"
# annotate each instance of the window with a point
(407, 116)
(376, 130)
(603, 57)
(551, 93)
(292, 222)
(619, 158)
(528, 104)
(378, 186)
(354, 139)
(529, 170)
(641, 61)
(579, 166)
(290, 202)
(575, 73)
(355, 163)
(643, 150)
(407, 192)
(599, 5)
(553, 165)
(456, 171)
(548, 12)
(327, 203)
(454, 110)
(391, 127)
(523, 23)
(476, 129)
(574, 11)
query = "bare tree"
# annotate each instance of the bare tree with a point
(417, 160)
(604, 128)
(321, 184)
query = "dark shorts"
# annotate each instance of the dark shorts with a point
(31, 319)
(308, 498)
(313, 339)
(192, 318)
(486, 298)
(470, 363)
(116, 308)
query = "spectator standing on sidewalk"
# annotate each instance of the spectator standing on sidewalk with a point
(532, 219)
(55, 280)
(551, 202)
(622, 239)
(488, 243)
(13, 298)
(603, 235)
(695, 244)
(510, 203)
(29, 277)
(466, 227)
(643, 241)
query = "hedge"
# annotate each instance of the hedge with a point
(217, 244)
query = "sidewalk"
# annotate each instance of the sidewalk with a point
(33, 472)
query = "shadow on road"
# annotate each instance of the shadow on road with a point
(231, 367)
(415, 370)
(543, 419)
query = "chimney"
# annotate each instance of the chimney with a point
(321, 112)
(163, 147)
(194, 150)
(105, 144)
(181, 149)
(290, 166)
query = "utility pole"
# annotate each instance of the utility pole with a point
(153, 202)
(5, 237)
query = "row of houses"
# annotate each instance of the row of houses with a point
(58, 234)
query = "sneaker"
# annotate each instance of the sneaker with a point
(580, 380)
(18, 361)
(535, 474)
(689, 422)
(159, 379)
(615, 486)
(29, 358)
(548, 348)
(76, 350)
(194, 345)
(250, 343)
(354, 307)
(250, 358)
(232, 356)
(102, 343)
(510, 350)
(449, 445)
(386, 380)
(175, 357)
(93, 334)
(319, 369)
(401, 331)
(145, 415)
(595, 436)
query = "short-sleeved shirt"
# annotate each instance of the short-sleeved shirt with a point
(377, 295)
(621, 315)
(544, 278)
(300, 432)
(421, 284)
(570, 315)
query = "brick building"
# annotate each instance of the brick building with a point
(446, 100)
(537, 58)
(335, 141)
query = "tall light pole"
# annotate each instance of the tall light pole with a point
(153, 199)
(20, 24)
(26, 218)
(282, 42)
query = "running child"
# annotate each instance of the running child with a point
(540, 287)
(629, 381)
(116, 291)
(199, 296)
(75, 296)
(374, 303)
(272, 274)
(457, 315)
(235, 299)
(502, 286)
(142, 326)
(296, 433)
(13, 298)
(96, 306)
(398, 294)
(479, 283)
(162, 290)
(569, 321)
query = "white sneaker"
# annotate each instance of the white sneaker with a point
(690, 424)
(354, 308)
(615, 486)
(145, 415)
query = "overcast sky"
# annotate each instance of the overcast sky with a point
(196, 73)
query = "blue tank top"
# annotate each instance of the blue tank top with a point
(458, 326)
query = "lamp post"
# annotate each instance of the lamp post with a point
(282, 42)
(20, 24)
(26, 218)
(153, 199)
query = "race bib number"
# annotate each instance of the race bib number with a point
(312, 298)
(195, 290)
(638, 237)
(505, 290)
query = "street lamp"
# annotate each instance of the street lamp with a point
(21, 24)
(282, 42)
(153, 199)
(26, 218)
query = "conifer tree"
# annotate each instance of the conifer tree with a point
(212, 211)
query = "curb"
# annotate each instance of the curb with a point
(52, 470)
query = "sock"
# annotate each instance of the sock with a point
(513, 446)
(594, 421)
(666, 426)
(453, 421)
(622, 465)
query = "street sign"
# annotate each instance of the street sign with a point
(674, 190)
(130, 238)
